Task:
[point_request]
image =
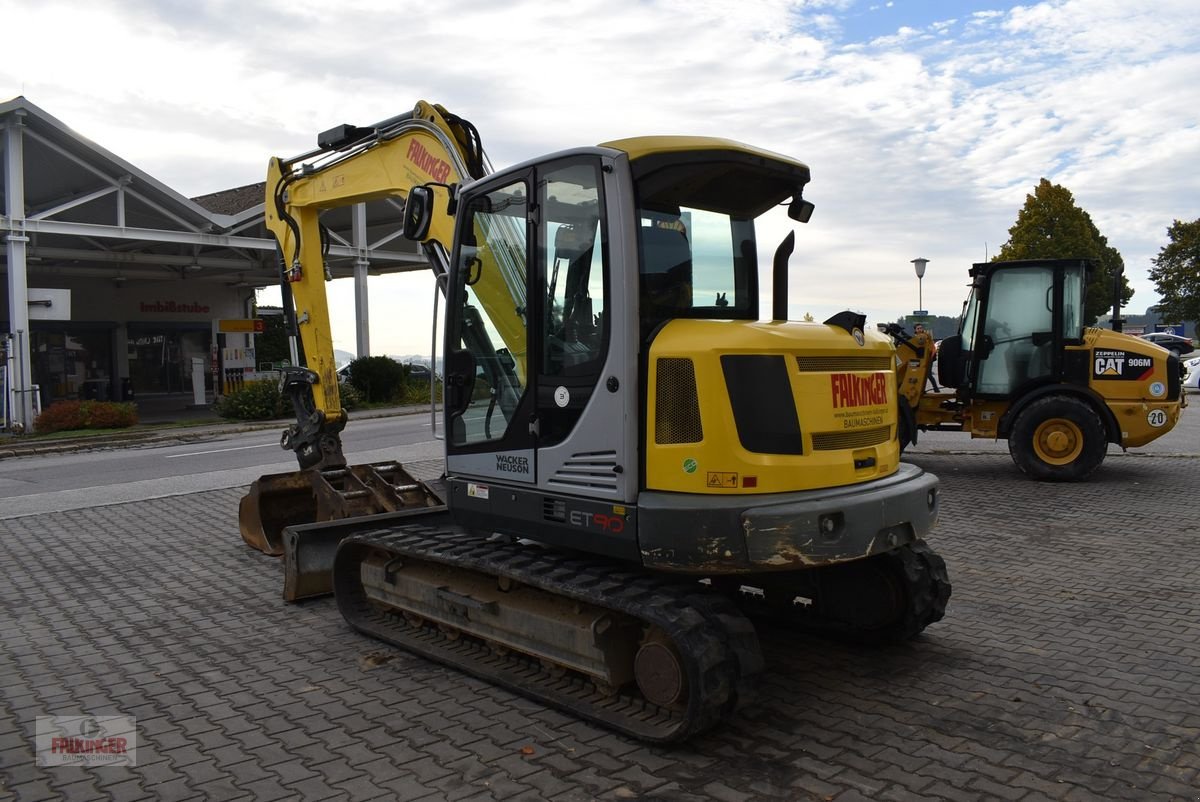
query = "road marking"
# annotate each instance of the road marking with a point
(219, 450)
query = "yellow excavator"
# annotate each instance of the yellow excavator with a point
(1023, 367)
(635, 464)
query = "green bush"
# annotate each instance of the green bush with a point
(418, 393)
(350, 397)
(64, 416)
(379, 379)
(254, 401)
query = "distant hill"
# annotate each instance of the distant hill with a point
(343, 358)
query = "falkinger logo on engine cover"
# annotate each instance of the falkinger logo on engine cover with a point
(849, 390)
(861, 400)
(1121, 365)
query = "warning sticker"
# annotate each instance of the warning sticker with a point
(721, 479)
(1121, 365)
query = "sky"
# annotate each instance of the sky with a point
(925, 123)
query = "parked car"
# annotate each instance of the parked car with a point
(1191, 376)
(1172, 342)
(418, 373)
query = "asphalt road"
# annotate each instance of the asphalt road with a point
(55, 483)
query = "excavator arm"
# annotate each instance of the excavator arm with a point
(428, 147)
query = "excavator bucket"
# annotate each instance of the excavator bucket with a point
(304, 515)
(275, 501)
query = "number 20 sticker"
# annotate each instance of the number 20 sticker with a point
(1157, 418)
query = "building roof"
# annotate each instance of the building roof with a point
(233, 201)
(88, 212)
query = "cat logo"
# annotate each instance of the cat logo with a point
(1110, 365)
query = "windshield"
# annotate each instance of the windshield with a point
(696, 242)
(696, 263)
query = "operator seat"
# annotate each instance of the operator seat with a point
(666, 275)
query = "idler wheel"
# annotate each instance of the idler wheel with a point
(659, 671)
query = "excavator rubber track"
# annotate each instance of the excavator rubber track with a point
(685, 656)
(884, 599)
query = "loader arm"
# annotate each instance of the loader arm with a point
(426, 147)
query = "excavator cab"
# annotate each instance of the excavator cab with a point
(611, 394)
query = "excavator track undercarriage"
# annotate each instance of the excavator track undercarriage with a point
(655, 657)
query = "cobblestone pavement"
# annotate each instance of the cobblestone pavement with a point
(1067, 667)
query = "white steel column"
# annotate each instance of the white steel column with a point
(362, 320)
(18, 282)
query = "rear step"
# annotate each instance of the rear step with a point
(657, 658)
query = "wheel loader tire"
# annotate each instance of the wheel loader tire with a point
(1058, 439)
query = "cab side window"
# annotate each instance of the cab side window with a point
(573, 265)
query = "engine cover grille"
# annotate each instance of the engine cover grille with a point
(833, 441)
(676, 404)
(843, 364)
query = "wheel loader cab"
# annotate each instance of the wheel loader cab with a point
(1017, 321)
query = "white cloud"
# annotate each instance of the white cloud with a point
(923, 143)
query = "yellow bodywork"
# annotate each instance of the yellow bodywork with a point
(391, 167)
(1132, 402)
(815, 354)
(642, 146)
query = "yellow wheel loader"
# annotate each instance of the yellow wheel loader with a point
(1023, 367)
(635, 463)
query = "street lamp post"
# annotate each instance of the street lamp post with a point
(919, 265)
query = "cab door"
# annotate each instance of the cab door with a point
(488, 397)
(528, 333)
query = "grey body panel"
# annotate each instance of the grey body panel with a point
(594, 526)
(600, 458)
(786, 531)
(517, 465)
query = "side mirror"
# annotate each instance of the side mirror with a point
(418, 213)
(800, 210)
(951, 364)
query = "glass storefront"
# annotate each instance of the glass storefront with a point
(160, 357)
(73, 362)
(77, 361)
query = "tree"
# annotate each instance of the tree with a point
(939, 326)
(272, 343)
(1051, 226)
(1176, 273)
